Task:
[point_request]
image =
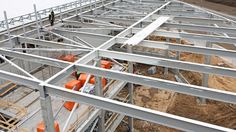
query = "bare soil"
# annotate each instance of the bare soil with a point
(151, 98)
(225, 2)
(214, 112)
(225, 6)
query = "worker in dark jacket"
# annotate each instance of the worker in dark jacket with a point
(51, 18)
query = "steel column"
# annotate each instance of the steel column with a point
(99, 92)
(46, 108)
(130, 87)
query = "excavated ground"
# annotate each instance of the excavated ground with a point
(213, 112)
(225, 6)
(184, 105)
(150, 98)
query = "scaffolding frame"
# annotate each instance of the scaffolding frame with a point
(176, 11)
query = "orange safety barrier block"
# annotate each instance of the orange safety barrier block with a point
(70, 85)
(69, 105)
(104, 81)
(70, 58)
(61, 57)
(41, 127)
(105, 64)
(83, 78)
(73, 83)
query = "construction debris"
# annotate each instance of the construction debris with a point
(152, 70)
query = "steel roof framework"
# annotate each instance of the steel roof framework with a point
(220, 28)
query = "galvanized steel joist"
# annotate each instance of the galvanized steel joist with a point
(47, 88)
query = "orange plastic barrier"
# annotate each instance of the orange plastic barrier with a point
(73, 83)
(69, 105)
(105, 64)
(70, 85)
(83, 78)
(41, 127)
(70, 58)
(104, 81)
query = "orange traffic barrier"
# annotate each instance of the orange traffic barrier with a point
(73, 83)
(105, 64)
(70, 58)
(104, 81)
(61, 57)
(83, 78)
(76, 84)
(41, 127)
(69, 105)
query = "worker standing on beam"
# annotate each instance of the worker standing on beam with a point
(51, 18)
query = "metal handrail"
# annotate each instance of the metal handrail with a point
(29, 16)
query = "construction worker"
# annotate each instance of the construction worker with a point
(51, 18)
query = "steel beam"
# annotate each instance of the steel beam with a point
(201, 28)
(88, 122)
(202, 21)
(229, 72)
(198, 20)
(48, 43)
(184, 13)
(18, 67)
(90, 36)
(70, 68)
(158, 44)
(130, 110)
(129, 29)
(119, 107)
(27, 81)
(35, 58)
(96, 112)
(183, 48)
(174, 25)
(193, 36)
(124, 10)
(117, 20)
(134, 111)
(193, 90)
(78, 24)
